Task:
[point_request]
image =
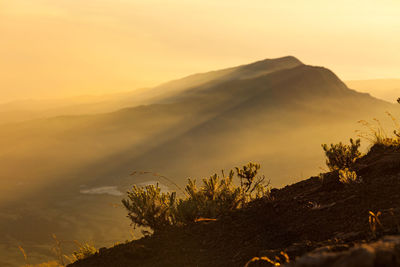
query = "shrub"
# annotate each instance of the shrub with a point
(218, 195)
(215, 197)
(341, 156)
(149, 207)
(248, 178)
(84, 250)
(349, 177)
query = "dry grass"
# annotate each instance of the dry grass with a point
(348, 177)
(46, 264)
(282, 258)
(83, 250)
(374, 222)
(375, 133)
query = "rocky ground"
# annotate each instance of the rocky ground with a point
(315, 222)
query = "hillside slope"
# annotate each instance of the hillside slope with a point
(320, 215)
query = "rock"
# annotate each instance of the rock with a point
(348, 236)
(102, 250)
(385, 252)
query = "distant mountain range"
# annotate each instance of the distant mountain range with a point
(386, 89)
(29, 109)
(276, 112)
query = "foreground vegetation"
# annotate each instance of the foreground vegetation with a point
(218, 195)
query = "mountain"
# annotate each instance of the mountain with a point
(213, 78)
(64, 174)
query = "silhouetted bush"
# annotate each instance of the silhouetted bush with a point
(218, 195)
(215, 197)
(149, 207)
(341, 156)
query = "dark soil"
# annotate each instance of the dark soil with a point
(301, 217)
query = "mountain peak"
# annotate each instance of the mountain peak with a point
(286, 60)
(266, 66)
(247, 71)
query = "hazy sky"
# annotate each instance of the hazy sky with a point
(53, 48)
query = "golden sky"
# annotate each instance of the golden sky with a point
(57, 48)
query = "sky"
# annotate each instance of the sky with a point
(62, 48)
